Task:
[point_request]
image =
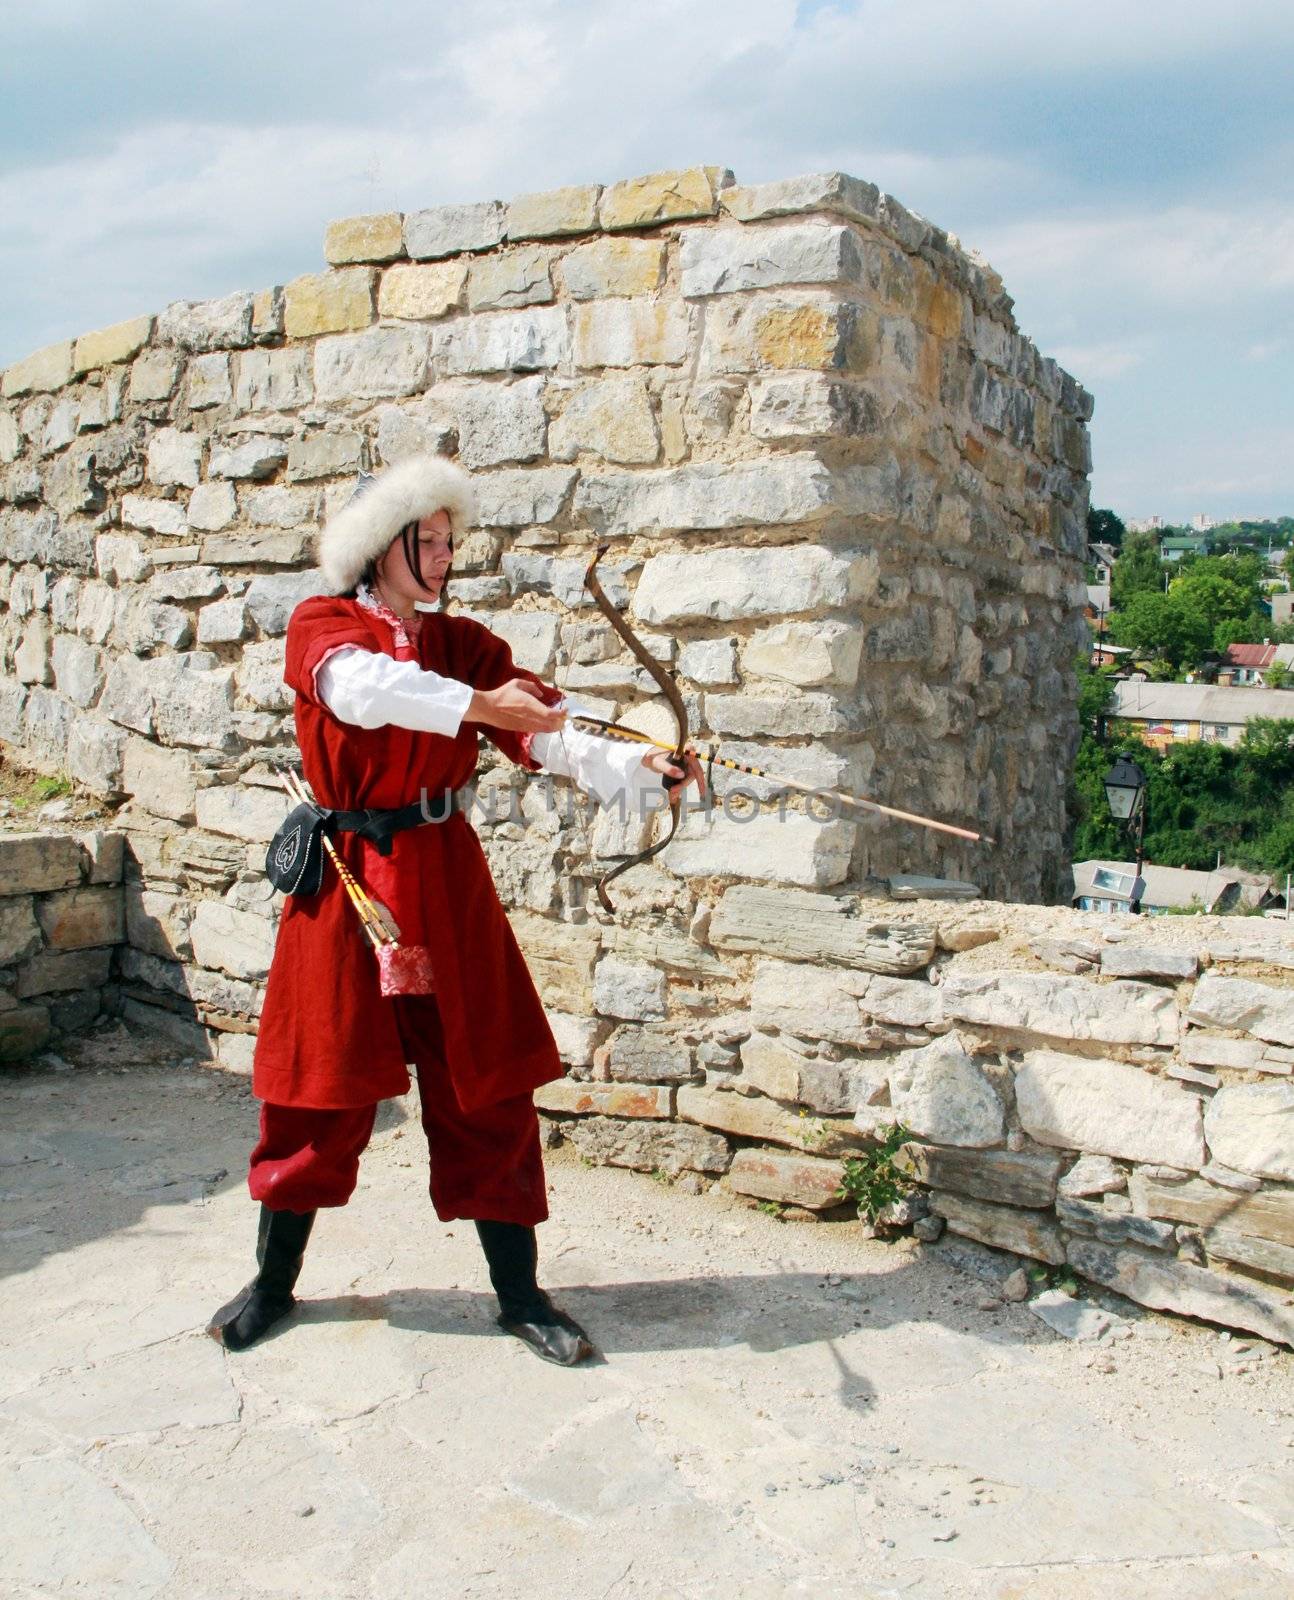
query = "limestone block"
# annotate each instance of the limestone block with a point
(770, 1066)
(712, 661)
(810, 1002)
(55, 971)
(552, 212)
(150, 623)
(750, 716)
(612, 418)
(60, 428)
(207, 325)
(1005, 1177)
(708, 494)
(272, 598)
(153, 515)
(43, 370)
(1062, 1008)
(121, 558)
(812, 927)
(10, 437)
(13, 701)
(240, 943)
(940, 1094)
(648, 1146)
(20, 934)
(403, 433)
(256, 549)
(797, 1180)
(805, 653)
(628, 989)
(576, 1037)
(796, 849)
(729, 259)
(754, 1117)
(498, 422)
(605, 1099)
(1267, 1214)
(32, 659)
(662, 197)
(1004, 1227)
(107, 346)
(100, 404)
(162, 781)
(528, 340)
(280, 507)
(32, 863)
(128, 694)
(448, 230)
(1250, 1126)
(373, 365)
(259, 456)
(192, 707)
(1109, 1108)
(1255, 1008)
(771, 332)
(47, 725)
(531, 636)
(615, 266)
(158, 923)
(259, 676)
(73, 919)
(324, 455)
(648, 1055)
(1223, 1244)
(1210, 1050)
(243, 812)
(1173, 1285)
(1143, 961)
(1113, 1226)
(722, 584)
(186, 583)
(273, 380)
(267, 313)
(340, 301)
(833, 192)
(223, 622)
(72, 485)
(371, 238)
(812, 406)
(78, 669)
(631, 333)
(94, 748)
(1093, 1175)
(520, 277)
(23, 1031)
(420, 294)
(153, 375)
(514, 497)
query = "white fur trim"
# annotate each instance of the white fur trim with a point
(414, 488)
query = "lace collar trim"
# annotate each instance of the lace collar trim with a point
(403, 628)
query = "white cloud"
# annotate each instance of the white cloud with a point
(1091, 363)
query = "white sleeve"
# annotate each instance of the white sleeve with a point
(600, 766)
(371, 689)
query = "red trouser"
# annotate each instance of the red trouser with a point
(487, 1165)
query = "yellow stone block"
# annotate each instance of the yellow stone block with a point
(419, 293)
(663, 197)
(376, 238)
(555, 211)
(48, 368)
(329, 302)
(614, 266)
(797, 336)
(939, 306)
(110, 345)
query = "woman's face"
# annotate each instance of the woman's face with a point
(435, 550)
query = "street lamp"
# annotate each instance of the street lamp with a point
(1125, 792)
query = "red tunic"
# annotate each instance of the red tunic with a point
(327, 1036)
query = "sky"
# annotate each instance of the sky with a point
(1128, 168)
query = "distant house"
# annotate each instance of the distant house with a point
(1102, 557)
(1107, 886)
(1182, 713)
(1098, 602)
(1282, 608)
(1173, 546)
(1246, 663)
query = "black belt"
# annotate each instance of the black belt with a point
(378, 826)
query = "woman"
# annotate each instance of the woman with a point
(390, 701)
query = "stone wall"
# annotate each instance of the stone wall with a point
(844, 494)
(61, 920)
(1111, 1096)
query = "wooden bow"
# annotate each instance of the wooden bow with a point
(669, 689)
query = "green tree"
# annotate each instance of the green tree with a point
(1103, 527)
(1174, 628)
(1138, 570)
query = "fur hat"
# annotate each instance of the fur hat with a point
(382, 504)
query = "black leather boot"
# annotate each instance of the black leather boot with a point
(512, 1253)
(280, 1247)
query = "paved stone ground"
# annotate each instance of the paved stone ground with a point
(783, 1409)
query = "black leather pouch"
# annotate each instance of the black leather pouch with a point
(294, 860)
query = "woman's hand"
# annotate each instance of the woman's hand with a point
(516, 705)
(663, 762)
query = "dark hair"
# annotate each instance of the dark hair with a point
(412, 556)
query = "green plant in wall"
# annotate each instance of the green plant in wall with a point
(872, 1180)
